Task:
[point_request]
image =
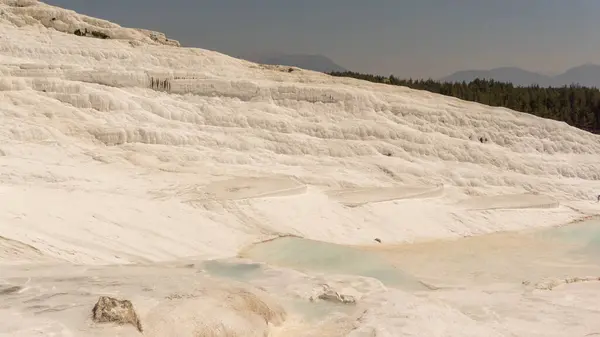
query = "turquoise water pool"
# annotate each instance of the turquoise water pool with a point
(316, 256)
(570, 250)
(583, 236)
(239, 271)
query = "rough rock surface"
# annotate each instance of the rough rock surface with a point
(550, 284)
(331, 295)
(112, 310)
(31, 12)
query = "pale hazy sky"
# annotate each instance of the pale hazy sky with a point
(417, 38)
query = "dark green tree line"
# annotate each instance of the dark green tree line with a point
(576, 105)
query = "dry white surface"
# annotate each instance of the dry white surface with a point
(134, 150)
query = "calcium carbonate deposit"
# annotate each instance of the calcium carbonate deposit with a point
(226, 198)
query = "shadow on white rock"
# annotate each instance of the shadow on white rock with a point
(223, 312)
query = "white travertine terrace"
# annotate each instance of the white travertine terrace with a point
(122, 147)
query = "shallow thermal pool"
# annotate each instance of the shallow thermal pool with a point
(568, 251)
(584, 238)
(316, 256)
(480, 281)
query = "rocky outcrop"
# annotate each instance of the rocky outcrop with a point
(92, 33)
(331, 295)
(553, 283)
(31, 12)
(112, 310)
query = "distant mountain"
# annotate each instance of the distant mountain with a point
(513, 75)
(305, 61)
(586, 75)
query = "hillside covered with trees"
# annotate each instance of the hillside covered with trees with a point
(576, 105)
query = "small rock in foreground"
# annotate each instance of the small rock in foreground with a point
(112, 310)
(331, 295)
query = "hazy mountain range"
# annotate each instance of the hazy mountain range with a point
(305, 61)
(586, 75)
